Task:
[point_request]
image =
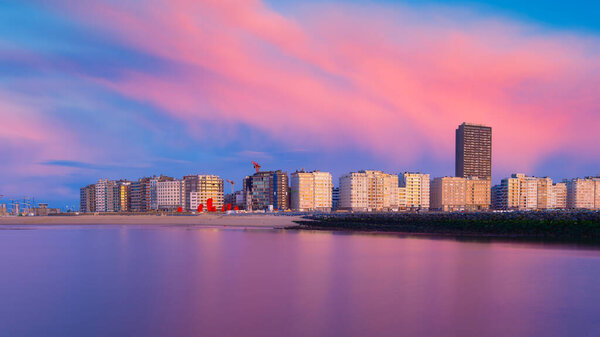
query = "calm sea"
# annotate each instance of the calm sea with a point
(189, 281)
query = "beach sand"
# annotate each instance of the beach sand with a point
(244, 220)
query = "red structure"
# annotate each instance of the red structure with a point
(229, 207)
(223, 208)
(256, 166)
(200, 208)
(236, 208)
(179, 210)
(209, 204)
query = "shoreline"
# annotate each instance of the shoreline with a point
(208, 220)
(547, 227)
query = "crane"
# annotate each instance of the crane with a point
(256, 166)
(232, 184)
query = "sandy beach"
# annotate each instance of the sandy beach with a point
(245, 220)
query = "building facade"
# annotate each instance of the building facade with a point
(401, 197)
(416, 187)
(87, 199)
(170, 195)
(518, 192)
(544, 193)
(124, 196)
(448, 194)
(266, 190)
(474, 151)
(583, 193)
(478, 196)
(199, 188)
(236, 199)
(368, 190)
(107, 196)
(101, 187)
(558, 196)
(311, 191)
(335, 198)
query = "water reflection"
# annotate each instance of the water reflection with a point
(183, 280)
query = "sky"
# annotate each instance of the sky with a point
(125, 88)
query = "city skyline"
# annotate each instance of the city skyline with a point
(81, 99)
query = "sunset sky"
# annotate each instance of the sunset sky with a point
(124, 88)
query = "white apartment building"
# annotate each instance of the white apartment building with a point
(101, 195)
(416, 186)
(169, 195)
(311, 191)
(368, 191)
(107, 196)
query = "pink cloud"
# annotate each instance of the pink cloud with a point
(380, 79)
(29, 138)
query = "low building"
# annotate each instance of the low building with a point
(311, 191)
(3, 210)
(44, 210)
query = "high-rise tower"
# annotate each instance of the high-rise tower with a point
(474, 151)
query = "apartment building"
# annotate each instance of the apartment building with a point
(107, 196)
(583, 193)
(448, 194)
(474, 151)
(558, 196)
(478, 196)
(266, 190)
(335, 198)
(401, 197)
(170, 195)
(124, 196)
(199, 188)
(368, 190)
(311, 191)
(416, 187)
(87, 199)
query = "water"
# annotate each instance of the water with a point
(186, 281)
